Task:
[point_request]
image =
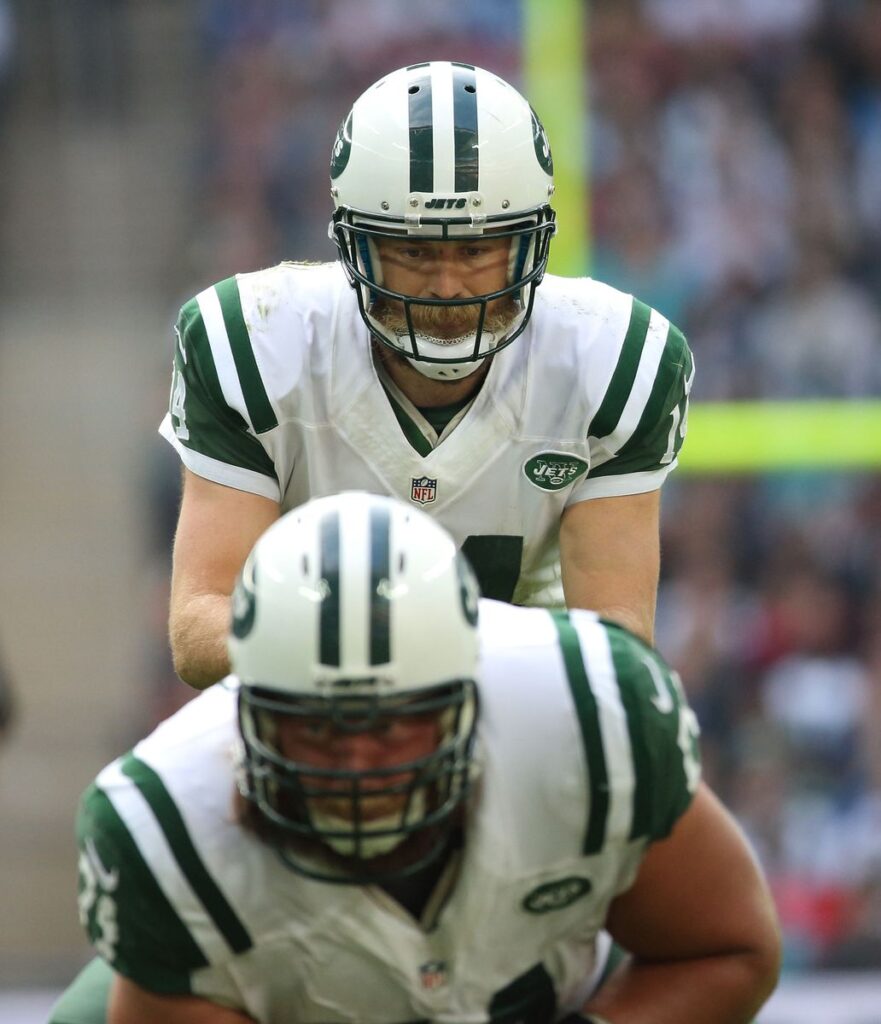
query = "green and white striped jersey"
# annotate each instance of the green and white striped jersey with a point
(275, 392)
(579, 775)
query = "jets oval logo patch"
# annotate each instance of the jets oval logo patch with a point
(556, 895)
(552, 471)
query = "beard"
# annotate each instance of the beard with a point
(446, 324)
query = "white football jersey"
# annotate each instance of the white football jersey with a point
(578, 776)
(275, 392)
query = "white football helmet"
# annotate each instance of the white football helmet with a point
(442, 151)
(356, 611)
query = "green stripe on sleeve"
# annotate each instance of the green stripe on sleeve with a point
(622, 658)
(658, 436)
(673, 367)
(588, 719)
(124, 911)
(260, 410)
(618, 391)
(213, 428)
(663, 735)
(203, 885)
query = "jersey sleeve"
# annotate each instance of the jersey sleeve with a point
(218, 406)
(636, 434)
(125, 913)
(663, 732)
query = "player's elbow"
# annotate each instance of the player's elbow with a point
(198, 651)
(191, 670)
(762, 959)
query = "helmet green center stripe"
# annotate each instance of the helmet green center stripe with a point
(465, 127)
(329, 616)
(380, 567)
(421, 122)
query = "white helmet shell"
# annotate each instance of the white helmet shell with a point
(343, 588)
(442, 151)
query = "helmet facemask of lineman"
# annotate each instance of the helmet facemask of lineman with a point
(329, 644)
(442, 152)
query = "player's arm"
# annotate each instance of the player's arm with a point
(610, 557)
(701, 926)
(131, 1004)
(216, 529)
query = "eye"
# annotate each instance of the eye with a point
(315, 728)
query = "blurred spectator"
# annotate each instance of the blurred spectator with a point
(818, 336)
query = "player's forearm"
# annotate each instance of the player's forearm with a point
(726, 989)
(197, 630)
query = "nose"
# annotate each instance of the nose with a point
(447, 276)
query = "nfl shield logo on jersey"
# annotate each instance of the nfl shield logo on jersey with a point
(433, 974)
(423, 490)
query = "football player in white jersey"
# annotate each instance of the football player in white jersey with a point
(537, 424)
(406, 806)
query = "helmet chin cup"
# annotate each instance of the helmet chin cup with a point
(445, 371)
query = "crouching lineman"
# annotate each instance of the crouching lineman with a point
(369, 824)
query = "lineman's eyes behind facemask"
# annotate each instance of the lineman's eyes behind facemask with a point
(434, 152)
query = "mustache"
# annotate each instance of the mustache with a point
(446, 321)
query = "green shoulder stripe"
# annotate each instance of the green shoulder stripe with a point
(667, 391)
(169, 818)
(659, 435)
(259, 408)
(618, 391)
(198, 366)
(201, 418)
(124, 911)
(663, 735)
(588, 718)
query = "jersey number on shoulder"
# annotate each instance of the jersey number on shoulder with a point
(679, 426)
(97, 906)
(496, 563)
(178, 404)
(689, 730)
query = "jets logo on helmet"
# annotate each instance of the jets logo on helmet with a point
(443, 151)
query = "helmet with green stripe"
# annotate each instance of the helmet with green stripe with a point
(442, 152)
(357, 723)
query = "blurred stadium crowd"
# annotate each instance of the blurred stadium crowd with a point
(735, 154)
